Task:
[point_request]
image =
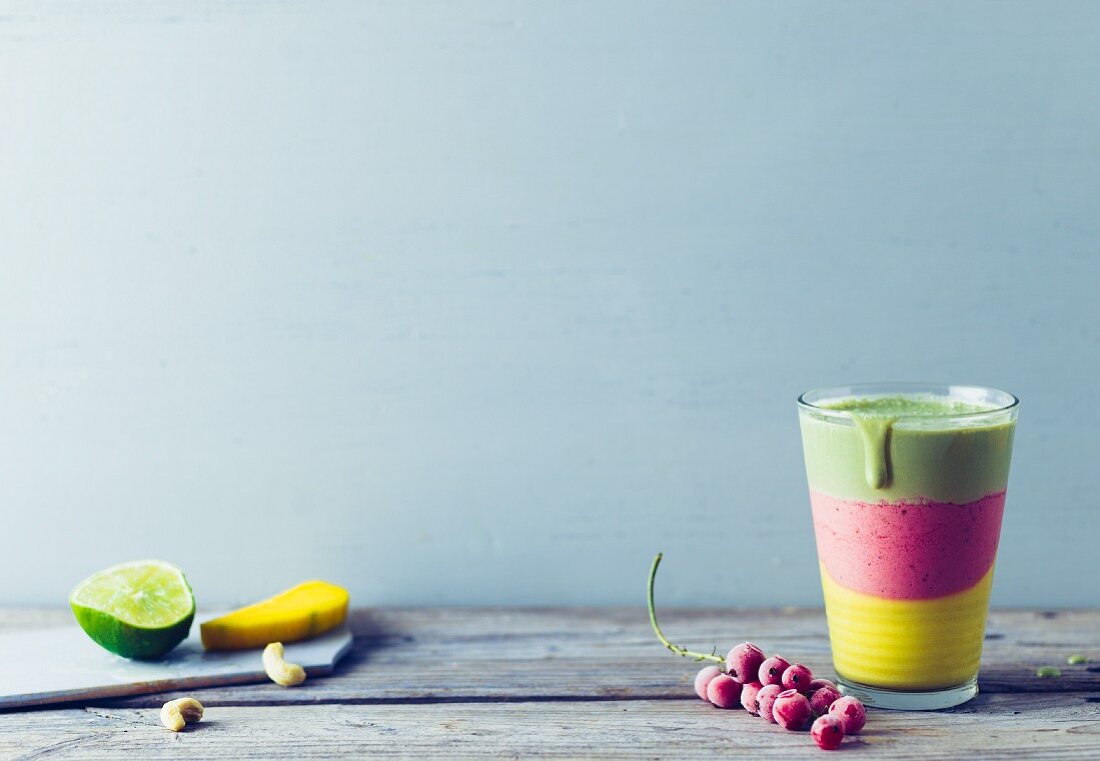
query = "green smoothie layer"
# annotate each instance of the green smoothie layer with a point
(890, 448)
(905, 406)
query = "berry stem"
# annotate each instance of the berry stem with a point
(657, 629)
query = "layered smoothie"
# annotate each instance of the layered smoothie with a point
(907, 491)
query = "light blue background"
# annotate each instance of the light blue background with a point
(488, 302)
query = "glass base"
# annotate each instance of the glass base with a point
(909, 701)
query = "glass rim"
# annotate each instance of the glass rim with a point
(953, 392)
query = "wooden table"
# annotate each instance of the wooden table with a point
(578, 682)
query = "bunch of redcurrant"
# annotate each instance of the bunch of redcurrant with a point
(778, 691)
(782, 693)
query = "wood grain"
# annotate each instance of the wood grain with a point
(995, 726)
(578, 682)
(473, 653)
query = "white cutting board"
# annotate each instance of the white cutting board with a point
(61, 664)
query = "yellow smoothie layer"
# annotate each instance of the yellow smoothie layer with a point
(906, 644)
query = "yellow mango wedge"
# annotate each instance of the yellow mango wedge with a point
(301, 612)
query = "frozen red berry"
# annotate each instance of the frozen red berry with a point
(702, 679)
(851, 712)
(822, 699)
(771, 671)
(748, 696)
(818, 683)
(765, 699)
(744, 661)
(797, 677)
(724, 692)
(827, 731)
(791, 710)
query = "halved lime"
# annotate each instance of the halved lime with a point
(140, 609)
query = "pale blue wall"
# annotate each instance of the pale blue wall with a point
(487, 302)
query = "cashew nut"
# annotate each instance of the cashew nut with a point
(281, 672)
(175, 714)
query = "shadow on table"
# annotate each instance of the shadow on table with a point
(372, 632)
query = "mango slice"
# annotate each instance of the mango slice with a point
(301, 612)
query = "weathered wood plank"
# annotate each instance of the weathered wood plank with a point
(577, 682)
(1052, 726)
(461, 654)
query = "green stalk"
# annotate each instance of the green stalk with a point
(657, 629)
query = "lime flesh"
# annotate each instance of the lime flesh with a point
(140, 609)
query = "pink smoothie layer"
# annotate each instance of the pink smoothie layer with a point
(907, 550)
